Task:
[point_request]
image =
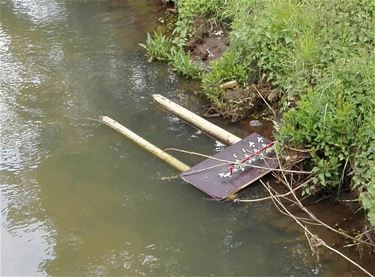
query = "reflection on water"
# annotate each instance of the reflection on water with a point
(40, 11)
(78, 199)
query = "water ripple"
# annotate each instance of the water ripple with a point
(40, 11)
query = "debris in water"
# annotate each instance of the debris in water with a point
(255, 123)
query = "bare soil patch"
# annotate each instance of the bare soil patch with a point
(209, 41)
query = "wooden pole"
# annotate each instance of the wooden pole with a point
(196, 120)
(144, 144)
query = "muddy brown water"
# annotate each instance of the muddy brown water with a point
(79, 199)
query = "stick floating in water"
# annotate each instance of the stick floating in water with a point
(196, 120)
(156, 151)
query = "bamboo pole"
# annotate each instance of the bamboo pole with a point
(196, 120)
(144, 144)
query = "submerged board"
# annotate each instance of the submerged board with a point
(245, 162)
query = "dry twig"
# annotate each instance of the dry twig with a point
(314, 241)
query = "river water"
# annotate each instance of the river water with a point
(79, 199)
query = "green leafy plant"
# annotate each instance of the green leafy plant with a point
(188, 11)
(336, 121)
(224, 69)
(157, 46)
(182, 63)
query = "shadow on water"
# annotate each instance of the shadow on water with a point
(77, 198)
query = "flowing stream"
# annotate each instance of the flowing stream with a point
(78, 198)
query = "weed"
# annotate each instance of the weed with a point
(224, 69)
(182, 63)
(187, 12)
(157, 46)
(336, 120)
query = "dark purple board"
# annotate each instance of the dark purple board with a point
(208, 175)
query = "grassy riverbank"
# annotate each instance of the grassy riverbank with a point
(319, 58)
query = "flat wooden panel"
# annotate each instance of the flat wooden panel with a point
(215, 178)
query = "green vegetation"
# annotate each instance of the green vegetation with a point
(335, 119)
(183, 64)
(159, 47)
(224, 69)
(319, 55)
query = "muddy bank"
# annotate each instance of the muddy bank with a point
(209, 41)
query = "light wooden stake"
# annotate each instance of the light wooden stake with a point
(196, 120)
(144, 144)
